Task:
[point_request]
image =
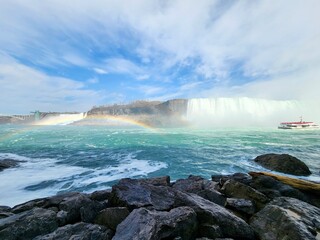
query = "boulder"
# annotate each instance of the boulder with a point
(201, 187)
(241, 205)
(80, 208)
(83, 231)
(179, 223)
(5, 211)
(8, 163)
(214, 217)
(101, 195)
(28, 225)
(239, 177)
(132, 193)
(47, 202)
(284, 163)
(276, 186)
(156, 181)
(112, 217)
(287, 218)
(236, 189)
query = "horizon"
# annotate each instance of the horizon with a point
(62, 56)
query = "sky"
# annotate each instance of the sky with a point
(71, 55)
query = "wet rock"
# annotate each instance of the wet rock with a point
(89, 211)
(28, 225)
(48, 202)
(236, 189)
(179, 223)
(239, 177)
(287, 218)
(77, 207)
(5, 211)
(132, 193)
(8, 163)
(83, 231)
(284, 163)
(241, 205)
(221, 219)
(101, 195)
(201, 187)
(112, 217)
(157, 181)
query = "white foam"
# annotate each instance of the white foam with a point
(38, 170)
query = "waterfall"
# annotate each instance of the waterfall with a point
(61, 119)
(243, 111)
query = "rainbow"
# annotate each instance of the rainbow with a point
(112, 120)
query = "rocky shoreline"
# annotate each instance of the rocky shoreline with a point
(257, 205)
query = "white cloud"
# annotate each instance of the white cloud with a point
(24, 89)
(100, 71)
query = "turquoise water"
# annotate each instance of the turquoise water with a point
(88, 158)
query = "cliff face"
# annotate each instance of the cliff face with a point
(154, 113)
(171, 107)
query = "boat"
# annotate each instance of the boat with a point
(298, 125)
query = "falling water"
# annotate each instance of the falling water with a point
(243, 111)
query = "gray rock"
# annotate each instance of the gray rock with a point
(241, 205)
(287, 218)
(284, 163)
(47, 202)
(112, 217)
(8, 163)
(80, 207)
(273, 188)
(209, 213)
(132, 193)
(201, 187)
(239, 177)
(83, 231)
(145, 224)
(28, 225)
(236, 189)
(5, 211)
(101, 195)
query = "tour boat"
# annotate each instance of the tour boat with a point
(298, 125)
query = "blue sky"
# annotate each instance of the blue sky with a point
(71, 55)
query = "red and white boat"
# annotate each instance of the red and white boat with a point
(298, 125)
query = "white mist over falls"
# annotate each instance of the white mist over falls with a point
(246, 112)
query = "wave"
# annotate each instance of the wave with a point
(41, 177)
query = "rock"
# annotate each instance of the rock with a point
(48, 202)
(201, 187)
(28, 225)
(239, 177)
(83, 231)
(132, 193)
(284, 163)
(157, 181)
(90, 211)
(8, 163)
(5, 211)
(235, 189)
(101, 195)
(267, 184)
(145, 224)
(294, 182)
(241, 205)
(112, 217)
(211, 214)
(287, 218)
(80, 207)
